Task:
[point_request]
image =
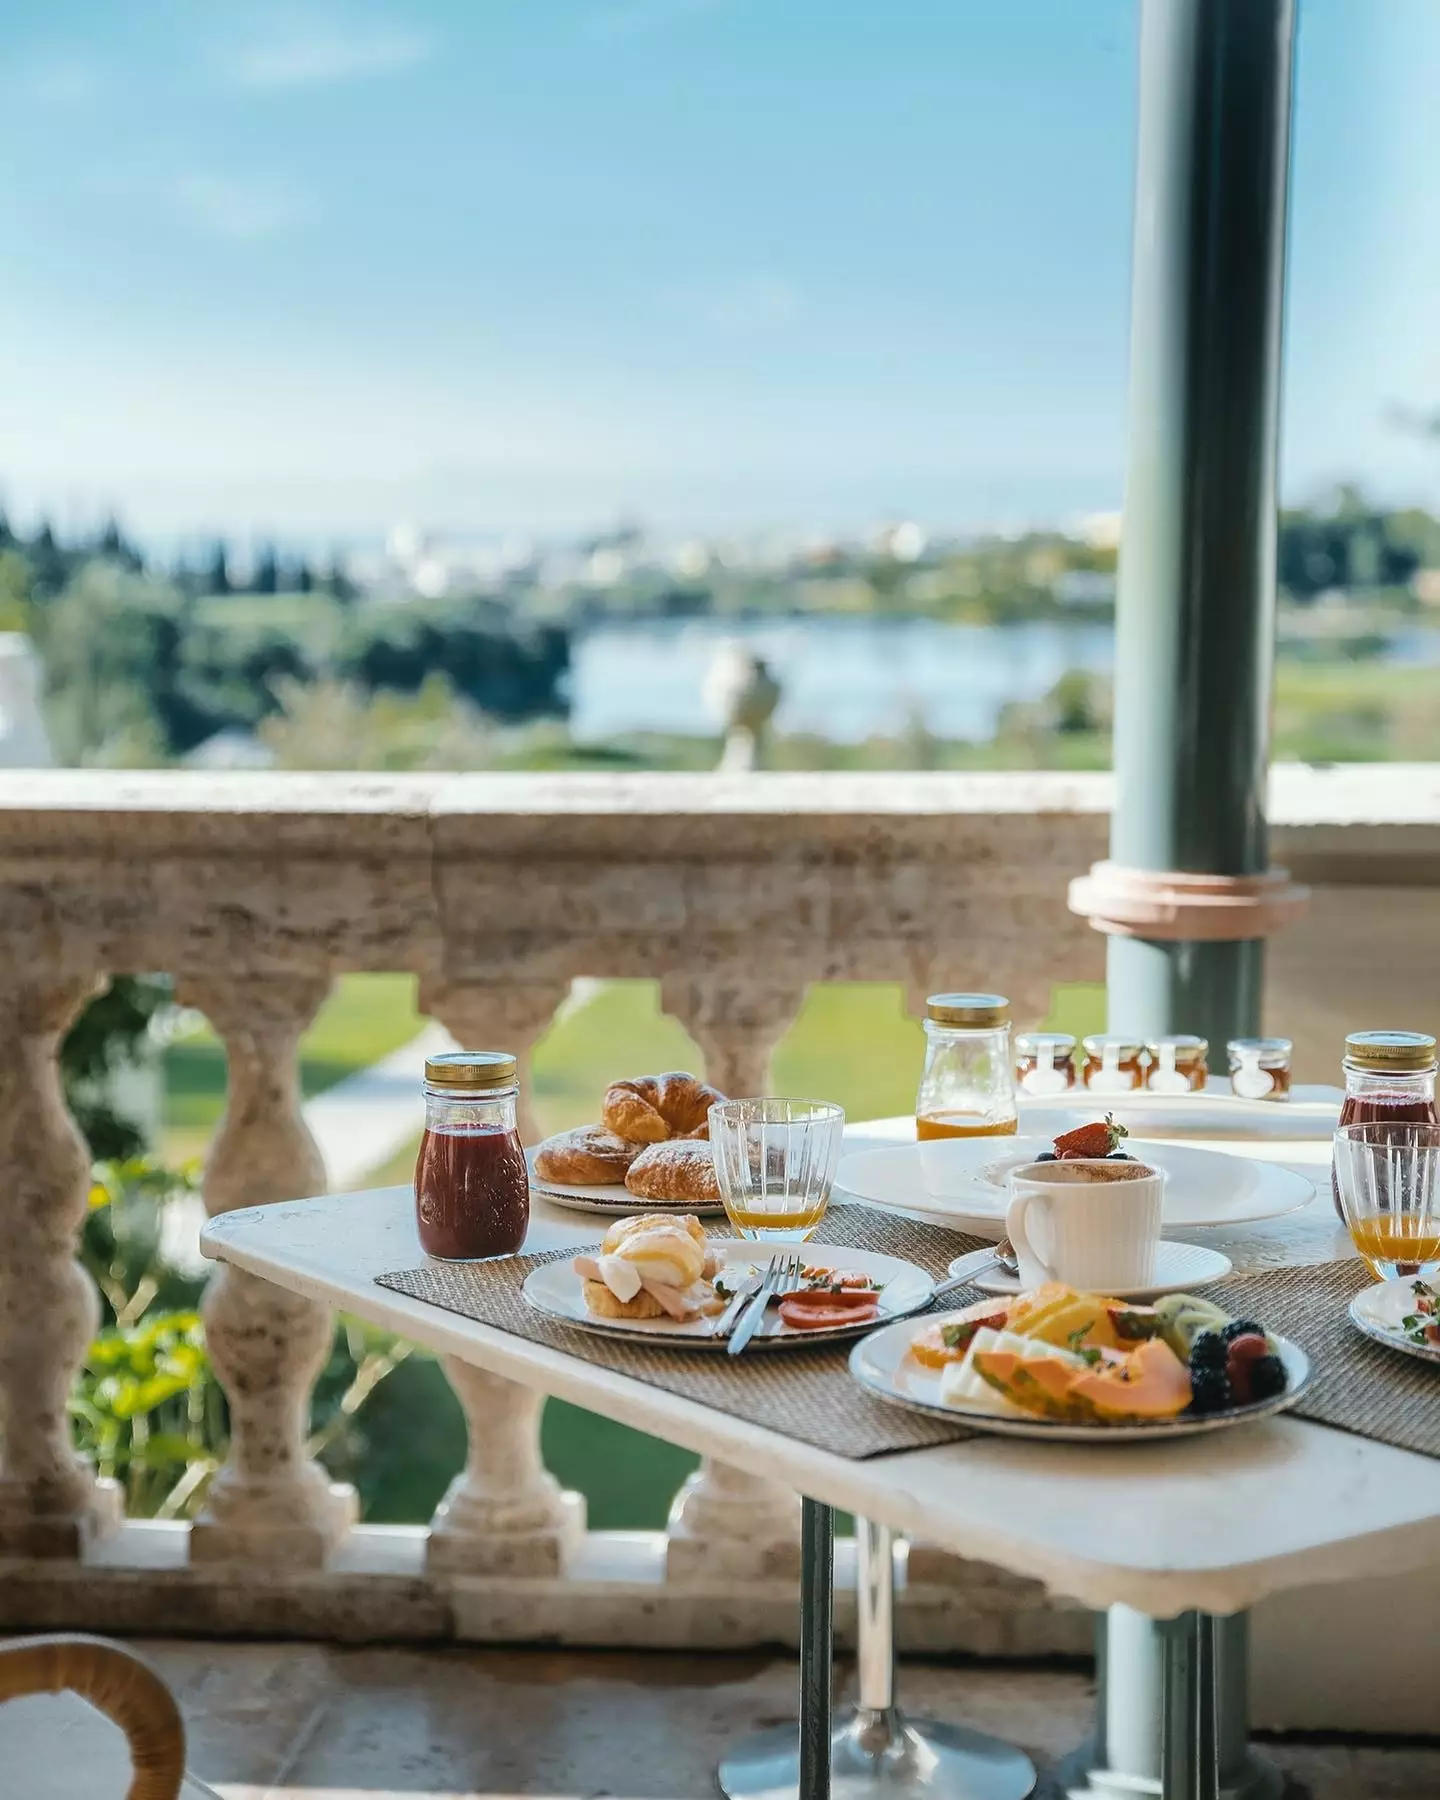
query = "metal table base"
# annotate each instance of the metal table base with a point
(875, 1753)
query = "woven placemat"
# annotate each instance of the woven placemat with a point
(1358, 1385)
(806, 1394)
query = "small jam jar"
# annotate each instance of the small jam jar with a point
(1260, 1068)
(1113, 1064)
(1044, 1062)
(1177, 1064)
(472, 1188)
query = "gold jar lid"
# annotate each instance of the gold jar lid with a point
(1187, 1047)
(968, 1009)
(1390, 1051)
(1124, 1049)
(471, 1069)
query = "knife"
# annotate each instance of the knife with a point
(755, 1311)
(744, 1292)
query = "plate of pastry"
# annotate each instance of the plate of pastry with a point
(658, 1277)
(1061, 1365)
(649, 1147)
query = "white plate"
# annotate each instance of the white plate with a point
(613, 1199)
(556, 1289)
(1378, 1310)
(881, 1363)
(961, 1181)
(1179, 1268)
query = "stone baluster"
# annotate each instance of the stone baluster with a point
(269, 1503)
(724, 1522)
(482, 1016)
(504, 1513)
(51, 1504)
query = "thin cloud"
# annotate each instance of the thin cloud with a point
(758, 304)
(243, 208)
(328, 52)
(633, 18)
(58, 81)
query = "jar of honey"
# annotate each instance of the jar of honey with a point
(1260, 1068)
(1178, 1064)
(1044, 1062)
(472, 1188)
(1389, 1075)
(1113, 1064)
(967, 1088)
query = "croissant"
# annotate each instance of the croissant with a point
(589, 1153)
(651, 1109)
(682, 1171)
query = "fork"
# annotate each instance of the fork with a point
(782, 1277)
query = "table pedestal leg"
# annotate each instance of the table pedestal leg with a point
(876, 1753)
(1125, 1760)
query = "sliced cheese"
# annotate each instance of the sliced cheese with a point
(962, 1384)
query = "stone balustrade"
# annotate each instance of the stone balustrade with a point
(255, 891)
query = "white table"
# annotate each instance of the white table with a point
(1206, 1526)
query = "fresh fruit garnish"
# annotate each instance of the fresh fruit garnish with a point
(1090, 1141)
(1267, 1378)
(1047, 1156)
(958, 1335)
(1210, 1391)
(1238, 1328)
(1248, 1346)
(1133, 1324)
(1208, 1351)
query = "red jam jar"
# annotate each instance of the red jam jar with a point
(472, 1189)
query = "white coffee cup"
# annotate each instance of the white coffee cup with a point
(1092, 1225)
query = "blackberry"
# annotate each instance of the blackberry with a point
(1119, 1156)
(1242, 1328)
(1209, 1391)
(1208, 1351)
(1047, 1156)
(1267, 1377)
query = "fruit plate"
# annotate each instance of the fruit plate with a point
(961, 1181)
(612, 1200)
(555, 1289)
(882, 1364)
(1378, 1310)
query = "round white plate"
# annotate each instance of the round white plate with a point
(881, 1363)
(1378, 1310)
(556, 1289)
(1179, 1268)
(613, 1200)
(961, 1181)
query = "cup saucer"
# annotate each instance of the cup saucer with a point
(1179, 1269)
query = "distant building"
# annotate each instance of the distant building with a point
(24, 741)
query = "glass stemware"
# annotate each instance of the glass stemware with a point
(775, 1161)
(1387, 1180)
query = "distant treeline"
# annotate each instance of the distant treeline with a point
(144, 667)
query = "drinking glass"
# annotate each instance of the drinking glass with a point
(1387, 1177)
(775, 1162)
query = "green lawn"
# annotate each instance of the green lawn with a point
(365, 1017)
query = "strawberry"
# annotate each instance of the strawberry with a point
(1090, 1140)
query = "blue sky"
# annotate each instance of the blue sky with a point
(314, 267)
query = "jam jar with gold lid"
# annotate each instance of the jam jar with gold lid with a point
(1178, 1064)
(1114, 1064)
(1044, 1062)
(967, 1088)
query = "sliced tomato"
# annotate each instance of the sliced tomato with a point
(813, 1312)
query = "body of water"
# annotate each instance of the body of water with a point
(842, 679)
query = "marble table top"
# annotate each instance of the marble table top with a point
(1213, 1522)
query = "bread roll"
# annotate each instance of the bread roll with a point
(587, 1156)
(682, 1170)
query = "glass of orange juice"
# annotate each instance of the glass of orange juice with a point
(1387, 1177)
(775, 1161)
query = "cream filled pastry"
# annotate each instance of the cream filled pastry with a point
(656, 1265)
